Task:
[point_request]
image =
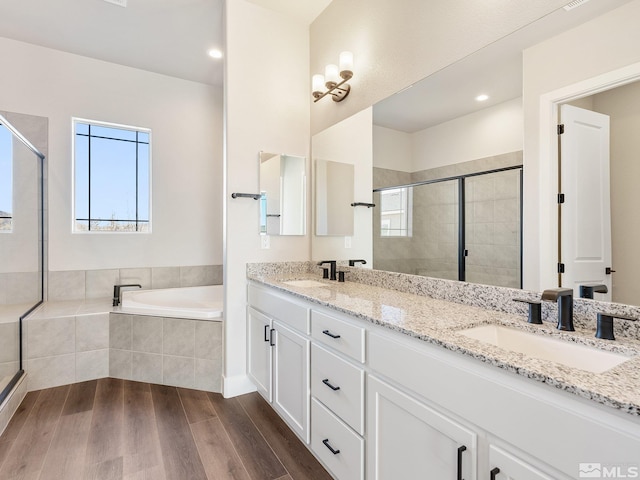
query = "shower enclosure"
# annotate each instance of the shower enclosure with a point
(466, 227)
(21, 235)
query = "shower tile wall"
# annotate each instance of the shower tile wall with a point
(492, 223)
(493, 229)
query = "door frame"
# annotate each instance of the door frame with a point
(548, 161)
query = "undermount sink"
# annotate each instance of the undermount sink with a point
(305, 283)
(544, 348)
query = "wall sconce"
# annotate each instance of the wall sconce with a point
(334, 80)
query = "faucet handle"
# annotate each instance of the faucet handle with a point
(535, 310)
(604, 324)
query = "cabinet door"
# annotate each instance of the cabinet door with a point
(408, 439)
(505, 466)
(291, 378)
(259, 357)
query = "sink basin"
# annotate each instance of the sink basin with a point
(545, 348)
(305, 283)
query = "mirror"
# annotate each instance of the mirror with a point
(283, 194)
(333, 198)
(439, 117)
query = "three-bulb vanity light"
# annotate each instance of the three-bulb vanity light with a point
(334, 80)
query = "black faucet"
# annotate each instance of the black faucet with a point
(604, 324)
(116, 292)
(332, 263)
(564, 298)
(587, 291)
(352, 263)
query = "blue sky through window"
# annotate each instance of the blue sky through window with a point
(115, 188)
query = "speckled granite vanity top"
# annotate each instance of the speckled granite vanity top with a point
(440, 321)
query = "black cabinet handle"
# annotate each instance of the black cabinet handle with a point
(460, 450)
(271, 342)
(332, 335)
(326, 444)
(266, 333)
(328, 384)
(493, 473)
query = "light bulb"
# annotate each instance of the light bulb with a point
(317, 85)
(346, 65)
(331, 75)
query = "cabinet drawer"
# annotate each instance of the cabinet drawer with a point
(346, 461)
(279, 308)
(339, 335)
(339, 385)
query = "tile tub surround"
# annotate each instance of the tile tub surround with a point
(95, 284)
(169, 351)
(73, 341)
(438, 320)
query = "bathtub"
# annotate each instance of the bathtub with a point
(203, 303)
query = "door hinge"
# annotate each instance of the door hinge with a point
(560, 267)
(561, 129)
(561, 198)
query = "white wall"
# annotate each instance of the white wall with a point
(392, 149)
(396, 43)
(609, 42)
(267, 108)
(185, 118)
(350, 141)
(485, 133)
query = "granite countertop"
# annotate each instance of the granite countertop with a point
(439, 321)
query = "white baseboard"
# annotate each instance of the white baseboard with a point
(238, 385)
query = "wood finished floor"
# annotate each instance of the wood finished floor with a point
(112, 429)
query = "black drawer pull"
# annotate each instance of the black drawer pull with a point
(271, 342)
(326, 382)
(326, 444)
(266, 333)
(460, 450)
(332, 335)
(494, 472)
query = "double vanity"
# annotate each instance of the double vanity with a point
(389, 376)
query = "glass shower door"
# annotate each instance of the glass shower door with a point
(21, 237)
(416, 229)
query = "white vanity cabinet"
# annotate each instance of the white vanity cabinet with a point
(408, 439)
(384, 405)
(506, 466)
(338, 395)
(279, 355)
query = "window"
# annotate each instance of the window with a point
(395, 212)
(6, 179)
(112, 166)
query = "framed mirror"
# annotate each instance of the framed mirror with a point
(283, 194)
(334, 189)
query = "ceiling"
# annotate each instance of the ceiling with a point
(170, 37)
(495, 70)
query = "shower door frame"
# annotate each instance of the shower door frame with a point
(18, 375)
(460, 179)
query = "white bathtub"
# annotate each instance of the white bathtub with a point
(204, 303)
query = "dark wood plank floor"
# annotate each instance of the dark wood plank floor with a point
(112, 429)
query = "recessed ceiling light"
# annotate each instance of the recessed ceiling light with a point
(482, 98)
(215, 53)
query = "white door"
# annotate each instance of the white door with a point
(505, 466)
(586, 212)
(291, 395)
(407, 439)
(259, 351)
